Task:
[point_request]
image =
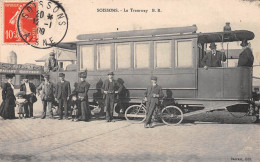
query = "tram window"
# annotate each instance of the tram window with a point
(87, 57)
(103, 56)
(183, 54)
(123, 56)
(162, 54)
(141, 55)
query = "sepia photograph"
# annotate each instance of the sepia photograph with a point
(130, 80)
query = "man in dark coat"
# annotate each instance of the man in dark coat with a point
(51, 64)
(82, 91)
(62, 94)
(213, 58)
(8, 99)
(246, 57)
(30, 91)
(47, 96)
(152, 95)
(110, 88)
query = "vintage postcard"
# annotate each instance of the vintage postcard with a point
(129, 80)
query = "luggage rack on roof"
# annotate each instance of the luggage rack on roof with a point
(139, 33)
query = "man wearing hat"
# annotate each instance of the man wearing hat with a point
(51, 64)
(246, 57)
(214, 57)
(152, 95)
(110, 88)
(62, 94)
(47, 95)
(82, 91)
(30, 91)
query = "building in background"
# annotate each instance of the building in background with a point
(66, 59)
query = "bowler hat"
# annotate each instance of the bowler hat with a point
(83, 75)
(154, 78)
(61, 75)
(9, 76)
(52, 54)
(244, 43)
(110, 73)
(212, 45)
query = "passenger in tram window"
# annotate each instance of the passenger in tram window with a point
(152, 95)
(214, 57)
(51, 64)
(110, 88)
(246, 57)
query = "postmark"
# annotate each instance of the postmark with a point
(11, 14)
(51, 20)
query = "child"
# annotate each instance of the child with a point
(74, 108)
(20, 101)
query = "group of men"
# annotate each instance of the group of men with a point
(214, 57)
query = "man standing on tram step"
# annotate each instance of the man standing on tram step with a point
(246, 57)
(47, 95)
(213, 58)
(62, 94)
(152, 95)
(82, 91)
(30, 91)
(110, 88)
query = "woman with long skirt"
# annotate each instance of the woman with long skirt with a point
(8, 99)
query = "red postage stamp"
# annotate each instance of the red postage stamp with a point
(27, 25)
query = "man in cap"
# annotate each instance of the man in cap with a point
(51, 64)
(62, 94)
(30, 91)
(152, 95)
(246, 57)
(82, 91)
(110, 88)
(47, 95)
(214, 57)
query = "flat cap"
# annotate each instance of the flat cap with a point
(61, 75)
(153, 78)
(111, 73)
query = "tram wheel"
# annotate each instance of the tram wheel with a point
(135, 114)
(172, 115)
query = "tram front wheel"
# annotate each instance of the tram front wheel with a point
(172, 115)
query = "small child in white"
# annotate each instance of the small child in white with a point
(74, 108)
(20, 101)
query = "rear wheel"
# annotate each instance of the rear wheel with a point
(135, 114)
(172, 115)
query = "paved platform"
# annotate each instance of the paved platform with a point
(63, 140)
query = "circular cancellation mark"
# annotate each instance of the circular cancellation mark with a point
(42, 23)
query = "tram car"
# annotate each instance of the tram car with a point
(221, 94)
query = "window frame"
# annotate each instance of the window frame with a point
(176, 53)
(81, 58)
(149, 55)
(98, 57)
(116, 56)
(155, 54)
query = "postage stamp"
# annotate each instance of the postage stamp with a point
(11, 14)
(41, 24)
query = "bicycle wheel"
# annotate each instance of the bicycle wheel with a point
(135, 114)
(172, 115)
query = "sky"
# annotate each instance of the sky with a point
(208, 15)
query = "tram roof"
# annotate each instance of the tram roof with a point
(230, 36)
